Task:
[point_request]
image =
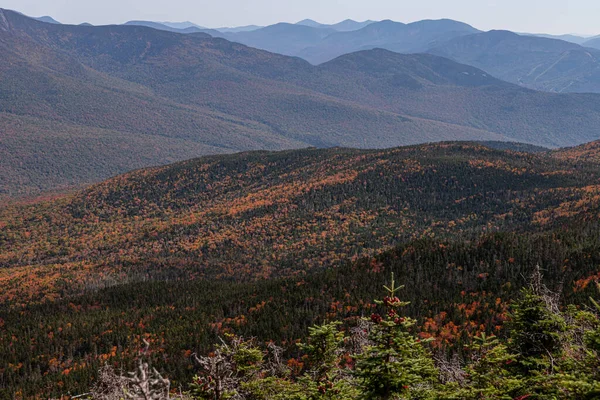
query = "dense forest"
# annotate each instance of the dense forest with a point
(178, 256)
(546, 353)
(264, 215)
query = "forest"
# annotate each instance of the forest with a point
(266, 246)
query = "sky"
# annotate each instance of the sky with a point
(534, 16)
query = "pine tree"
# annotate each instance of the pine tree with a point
(396, 364)
(536, 336)
(488, 375)
(325, 376)
(536, 327)
(224, 371)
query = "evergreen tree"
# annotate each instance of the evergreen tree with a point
(224, 371)
(325, 376)
(396, 364)
(488, 374)
(536, 328)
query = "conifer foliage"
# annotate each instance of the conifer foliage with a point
(548, 353)
(395, 363)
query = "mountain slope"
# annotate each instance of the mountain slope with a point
(437, 88)
(535, 62)
(395, 36)
(261, 214)
(210, 95)
(98, 271)
(343, 26)
(594, 43)
(586, 153)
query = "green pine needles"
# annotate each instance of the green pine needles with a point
(395, 363)
(548, 353)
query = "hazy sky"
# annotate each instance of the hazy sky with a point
(548, 16)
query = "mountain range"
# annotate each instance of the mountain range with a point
(83, 103)
(566, 63)
(184, 27)
(343, 26)
(540, 63)
(554, 63)
(318, 43)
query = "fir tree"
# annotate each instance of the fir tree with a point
(488, 375)
(326, 377)
(536, 327)
(396, 364)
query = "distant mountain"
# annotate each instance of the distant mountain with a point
(309, 22)
(344, 26)
(350, 25)
(567, 38)
(182, 25)
(85, 24)
(48, 20)
(282, 38)
(237, 29)
(593, 43)
(534, 62)
(395, 36)
(83, 103)
(164, 27)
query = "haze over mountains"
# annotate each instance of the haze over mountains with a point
(554, 63)
(540, 63)
(343, 26)
(83, 103)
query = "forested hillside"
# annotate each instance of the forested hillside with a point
(177, 255)
(536, 62)
(90, 102)
(274, 214)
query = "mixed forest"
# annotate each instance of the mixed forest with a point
(266, 245)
